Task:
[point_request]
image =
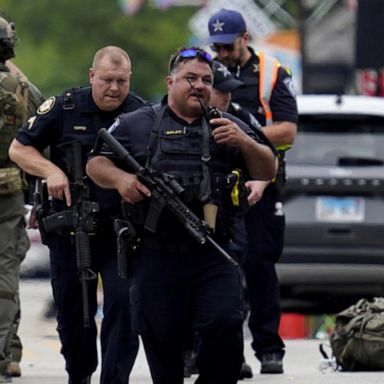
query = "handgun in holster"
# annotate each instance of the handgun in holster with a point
(127, 244)
(41, 207)
(239, 192)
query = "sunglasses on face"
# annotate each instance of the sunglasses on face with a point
(191, 53)
(224, 47)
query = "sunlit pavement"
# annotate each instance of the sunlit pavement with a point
(42, 362)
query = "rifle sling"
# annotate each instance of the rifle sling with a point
(205, 185)
(159, 112)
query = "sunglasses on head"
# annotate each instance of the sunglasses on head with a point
(191, 53)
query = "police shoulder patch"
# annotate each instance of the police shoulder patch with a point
(31, 121)
(289, 84)
(46, 106)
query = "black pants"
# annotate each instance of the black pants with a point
(171, 288)
(119, 346)
(265, 235)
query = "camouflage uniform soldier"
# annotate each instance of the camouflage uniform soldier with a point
(19, 99)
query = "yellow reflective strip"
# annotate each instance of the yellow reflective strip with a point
(235, 190)
(283, 147)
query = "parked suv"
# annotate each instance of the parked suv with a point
(334, 204)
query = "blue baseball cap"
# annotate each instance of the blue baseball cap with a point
(225, 26)
(223, 79)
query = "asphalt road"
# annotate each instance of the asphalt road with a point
(43, 364)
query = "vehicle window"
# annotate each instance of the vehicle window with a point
(337, 139)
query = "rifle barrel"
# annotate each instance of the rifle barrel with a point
(222, 251)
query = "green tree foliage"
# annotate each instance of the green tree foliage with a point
(58, 39)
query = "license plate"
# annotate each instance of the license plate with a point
(340, 209)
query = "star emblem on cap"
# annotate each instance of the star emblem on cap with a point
(224, 70)
(218, 26)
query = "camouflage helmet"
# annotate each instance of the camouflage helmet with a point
(7, 39)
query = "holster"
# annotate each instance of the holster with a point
(235, 182)
(127, 244)
(41, 207)
(281, 176)
(43, 233)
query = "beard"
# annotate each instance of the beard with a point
(234, 62)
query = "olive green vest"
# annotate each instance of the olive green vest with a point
(13, 113)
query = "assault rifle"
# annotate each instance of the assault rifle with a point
(79, 217)
(164, 192)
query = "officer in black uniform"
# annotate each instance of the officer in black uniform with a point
(276, 110)
(223, 84)
(77, 115)
(175, 279)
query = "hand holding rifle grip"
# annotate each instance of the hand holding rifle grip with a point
(163, 191)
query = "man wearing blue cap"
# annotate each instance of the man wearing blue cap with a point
(268, 94)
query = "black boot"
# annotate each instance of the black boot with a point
(271, 363)
(246, 371)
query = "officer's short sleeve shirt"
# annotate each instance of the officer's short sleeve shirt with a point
(283, 98)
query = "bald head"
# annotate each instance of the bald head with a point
(114, 54)
(110, 77)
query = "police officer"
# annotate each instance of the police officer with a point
(19, 99)
(175, 279)
(268, 94)
(223, 84)
(77, 115)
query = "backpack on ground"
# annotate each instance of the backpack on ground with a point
(357, 340)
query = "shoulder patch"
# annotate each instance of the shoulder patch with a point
(289, 84)
(31, 121)
(46, 106)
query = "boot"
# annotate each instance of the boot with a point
(271, 363)
(245, 372)
(14, 369)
